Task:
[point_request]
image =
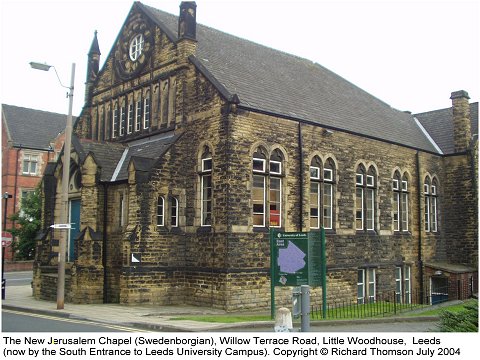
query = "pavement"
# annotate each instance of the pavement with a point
(159, 318)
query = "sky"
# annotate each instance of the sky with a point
(409, 54)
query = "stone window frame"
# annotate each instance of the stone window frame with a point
(115, 120)
(322, 182)
(146, 110)
(366, 188)
(268, 169)
(400, 202)
(123, 118)
(27, 163)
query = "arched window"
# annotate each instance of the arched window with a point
(160, 211)
(365, 199)
(321, 193)
(259, 187)
(174, 212)
(138, 113)
(206, 187)
(115, 121)
(267, 188)
(430, 189)
(400, 202)
(146, 111)
(123, 119)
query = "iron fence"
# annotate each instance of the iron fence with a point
(387, 303)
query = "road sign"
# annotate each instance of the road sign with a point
(6, 238)
(61, 226)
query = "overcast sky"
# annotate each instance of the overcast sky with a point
(409, 54)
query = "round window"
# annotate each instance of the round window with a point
(136, 47)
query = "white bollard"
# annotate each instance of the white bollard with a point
(283, 320)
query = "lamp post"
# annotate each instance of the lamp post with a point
(65, 180)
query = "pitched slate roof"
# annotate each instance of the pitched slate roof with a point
(439, 124)
(29, 128)
(275, 82)
(113, 158)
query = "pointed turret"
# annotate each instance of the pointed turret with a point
(92, 67)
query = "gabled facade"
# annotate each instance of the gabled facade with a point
(193, 143)
(30, 139)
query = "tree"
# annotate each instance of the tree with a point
(463, 321)
(28, 220)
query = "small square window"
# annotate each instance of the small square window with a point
(328, 174)
(395, 184)
(314, 172)
(370, 180)
(359, 179)
(259, 165)
(207, 164)
(275, 167)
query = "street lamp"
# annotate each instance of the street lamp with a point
(65, 180)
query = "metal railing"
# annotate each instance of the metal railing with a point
(390, 303)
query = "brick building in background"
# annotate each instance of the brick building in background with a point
(193, 143)
(30, 139)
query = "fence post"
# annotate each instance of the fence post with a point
(394, 303)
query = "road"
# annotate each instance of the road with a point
(15, 321)
(18, 278)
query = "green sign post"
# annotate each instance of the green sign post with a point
(297, 258)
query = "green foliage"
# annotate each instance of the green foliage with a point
(462, 321)
(28, 220)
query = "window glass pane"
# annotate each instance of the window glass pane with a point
(359, 209)
(404, 186)
(259, 165)
(275, 167)
(395, 184)
(146, 113)
(174, 212)
(314, 205)
(328, 174)
(275, 202)
(138, 118)
(427, 213)
(434, 214)
(314, 172)
(405, 212)
(327, 206)
(160, 206)
(359, 179)
(206, 210)
(370, 180)
(206, 164)
(396, 212)
(26, 164)
(370, 209)
(258, 200)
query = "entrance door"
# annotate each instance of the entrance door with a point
(75, 230)
(439, 288)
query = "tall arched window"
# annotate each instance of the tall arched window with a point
(321, 193)
(400, 202)
(206, 188)
(115, 121)
(146, 111)
(160, 211)
(430, 189)
(174, 211)
(365, 199)
(267, 188)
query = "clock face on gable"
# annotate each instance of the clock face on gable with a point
(133, 49)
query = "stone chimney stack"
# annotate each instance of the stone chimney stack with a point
(461, 120)
(187, 29)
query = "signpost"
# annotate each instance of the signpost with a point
(297, 258)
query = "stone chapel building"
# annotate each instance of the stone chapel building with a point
(193, 143)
